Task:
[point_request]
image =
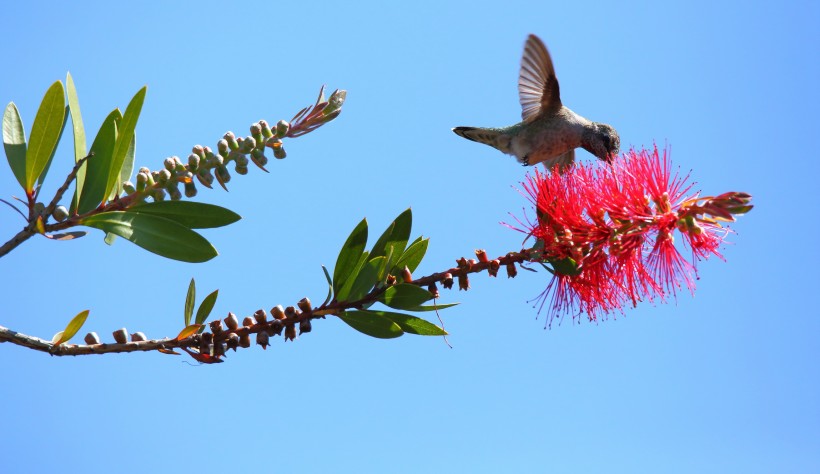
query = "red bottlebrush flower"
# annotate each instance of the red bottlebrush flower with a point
(607, 233)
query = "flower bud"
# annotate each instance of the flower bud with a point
(198, 150)
(259, 158)
(241, 170)
(248, 321)
(482, 255)
(169, 163)
(128, 187)
(266, 131)
(511, 270)
(248, 144)
(205, 177)
(282, 128)
(231, 139)
(163, 176)
(492, 270)
(334, 103)
(279, 153)
(121, 336)
(219, 349)
(290, 312)
(222, 175)
(158, 195)
(433, 289)
(241, 161)
(304, 326)
(142, 181)
(60, 213)
(406, 276)
(275, 328)
(245, 340)
(92, 338)
(256, 129)
(138, 337)
(193, 161)
(232, 322)
(173, 191)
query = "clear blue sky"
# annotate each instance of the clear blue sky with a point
(725, 381)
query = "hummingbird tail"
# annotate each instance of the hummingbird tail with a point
(480, 135)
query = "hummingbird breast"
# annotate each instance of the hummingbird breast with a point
(548, 137)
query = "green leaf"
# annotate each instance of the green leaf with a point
(190, 300)
(194, 215)
(45, 132)
(127, 168)
(206, 307)
(14, 142)
(366, 279)
(189, 331)
(329, 286)
(413, 256)
(350, 255)
(80, 150)
(344, 292)
(71, 329)
(371, 324)
(125, 135)
(109, 238)
(155, 234)
(53, 151)
(412, 324)
(405, 296)
(435, 307)
(98, 166)
(396, 235)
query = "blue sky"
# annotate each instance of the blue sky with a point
(725, 381)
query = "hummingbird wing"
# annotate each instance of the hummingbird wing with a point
(537, 85)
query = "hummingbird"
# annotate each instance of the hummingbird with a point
(549, 133)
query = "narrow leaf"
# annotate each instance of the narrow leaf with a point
(189, 331)
(14, 142)
(396, 235)
(342, 294)
(124, 137)
(371, 324)
(206, 307)
(350, 255)
(80, 150)
(434, 307)
(98, 166)
(413, 256)
(413, 325)
(405, 296)
(127, 168)
(45, 131)
(155, 234)
(54, 150)
(194, 215)
(366, 279)
(190, 300)
(329, 286)
(71, 329)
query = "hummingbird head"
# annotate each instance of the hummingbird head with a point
(603, 142)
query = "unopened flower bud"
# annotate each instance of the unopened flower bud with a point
(245, 340)
(256, 129)
(231, 139)
(262, 339)
(448, 281)
(163, 176)
(279, 153)
(248, 144)
(259, 158)
(304, 326)
(266, 131)
(232, 322)
(142, 181)
(290, 312)
(482, 255)
(158, 195)
(222, 175)
(60, 213)
(121, 336)
(433, 289)
(391, 280)
(193, 161)
(92, 338)
(173, 191)
(128, 187)
(406, 276)
(241, 161)
(138, 337)
(169, 163)
(282, 128)
(205, 177)
(275, 328)
(198, 150)
(248, 321)
(219, 349)
(241, 170)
